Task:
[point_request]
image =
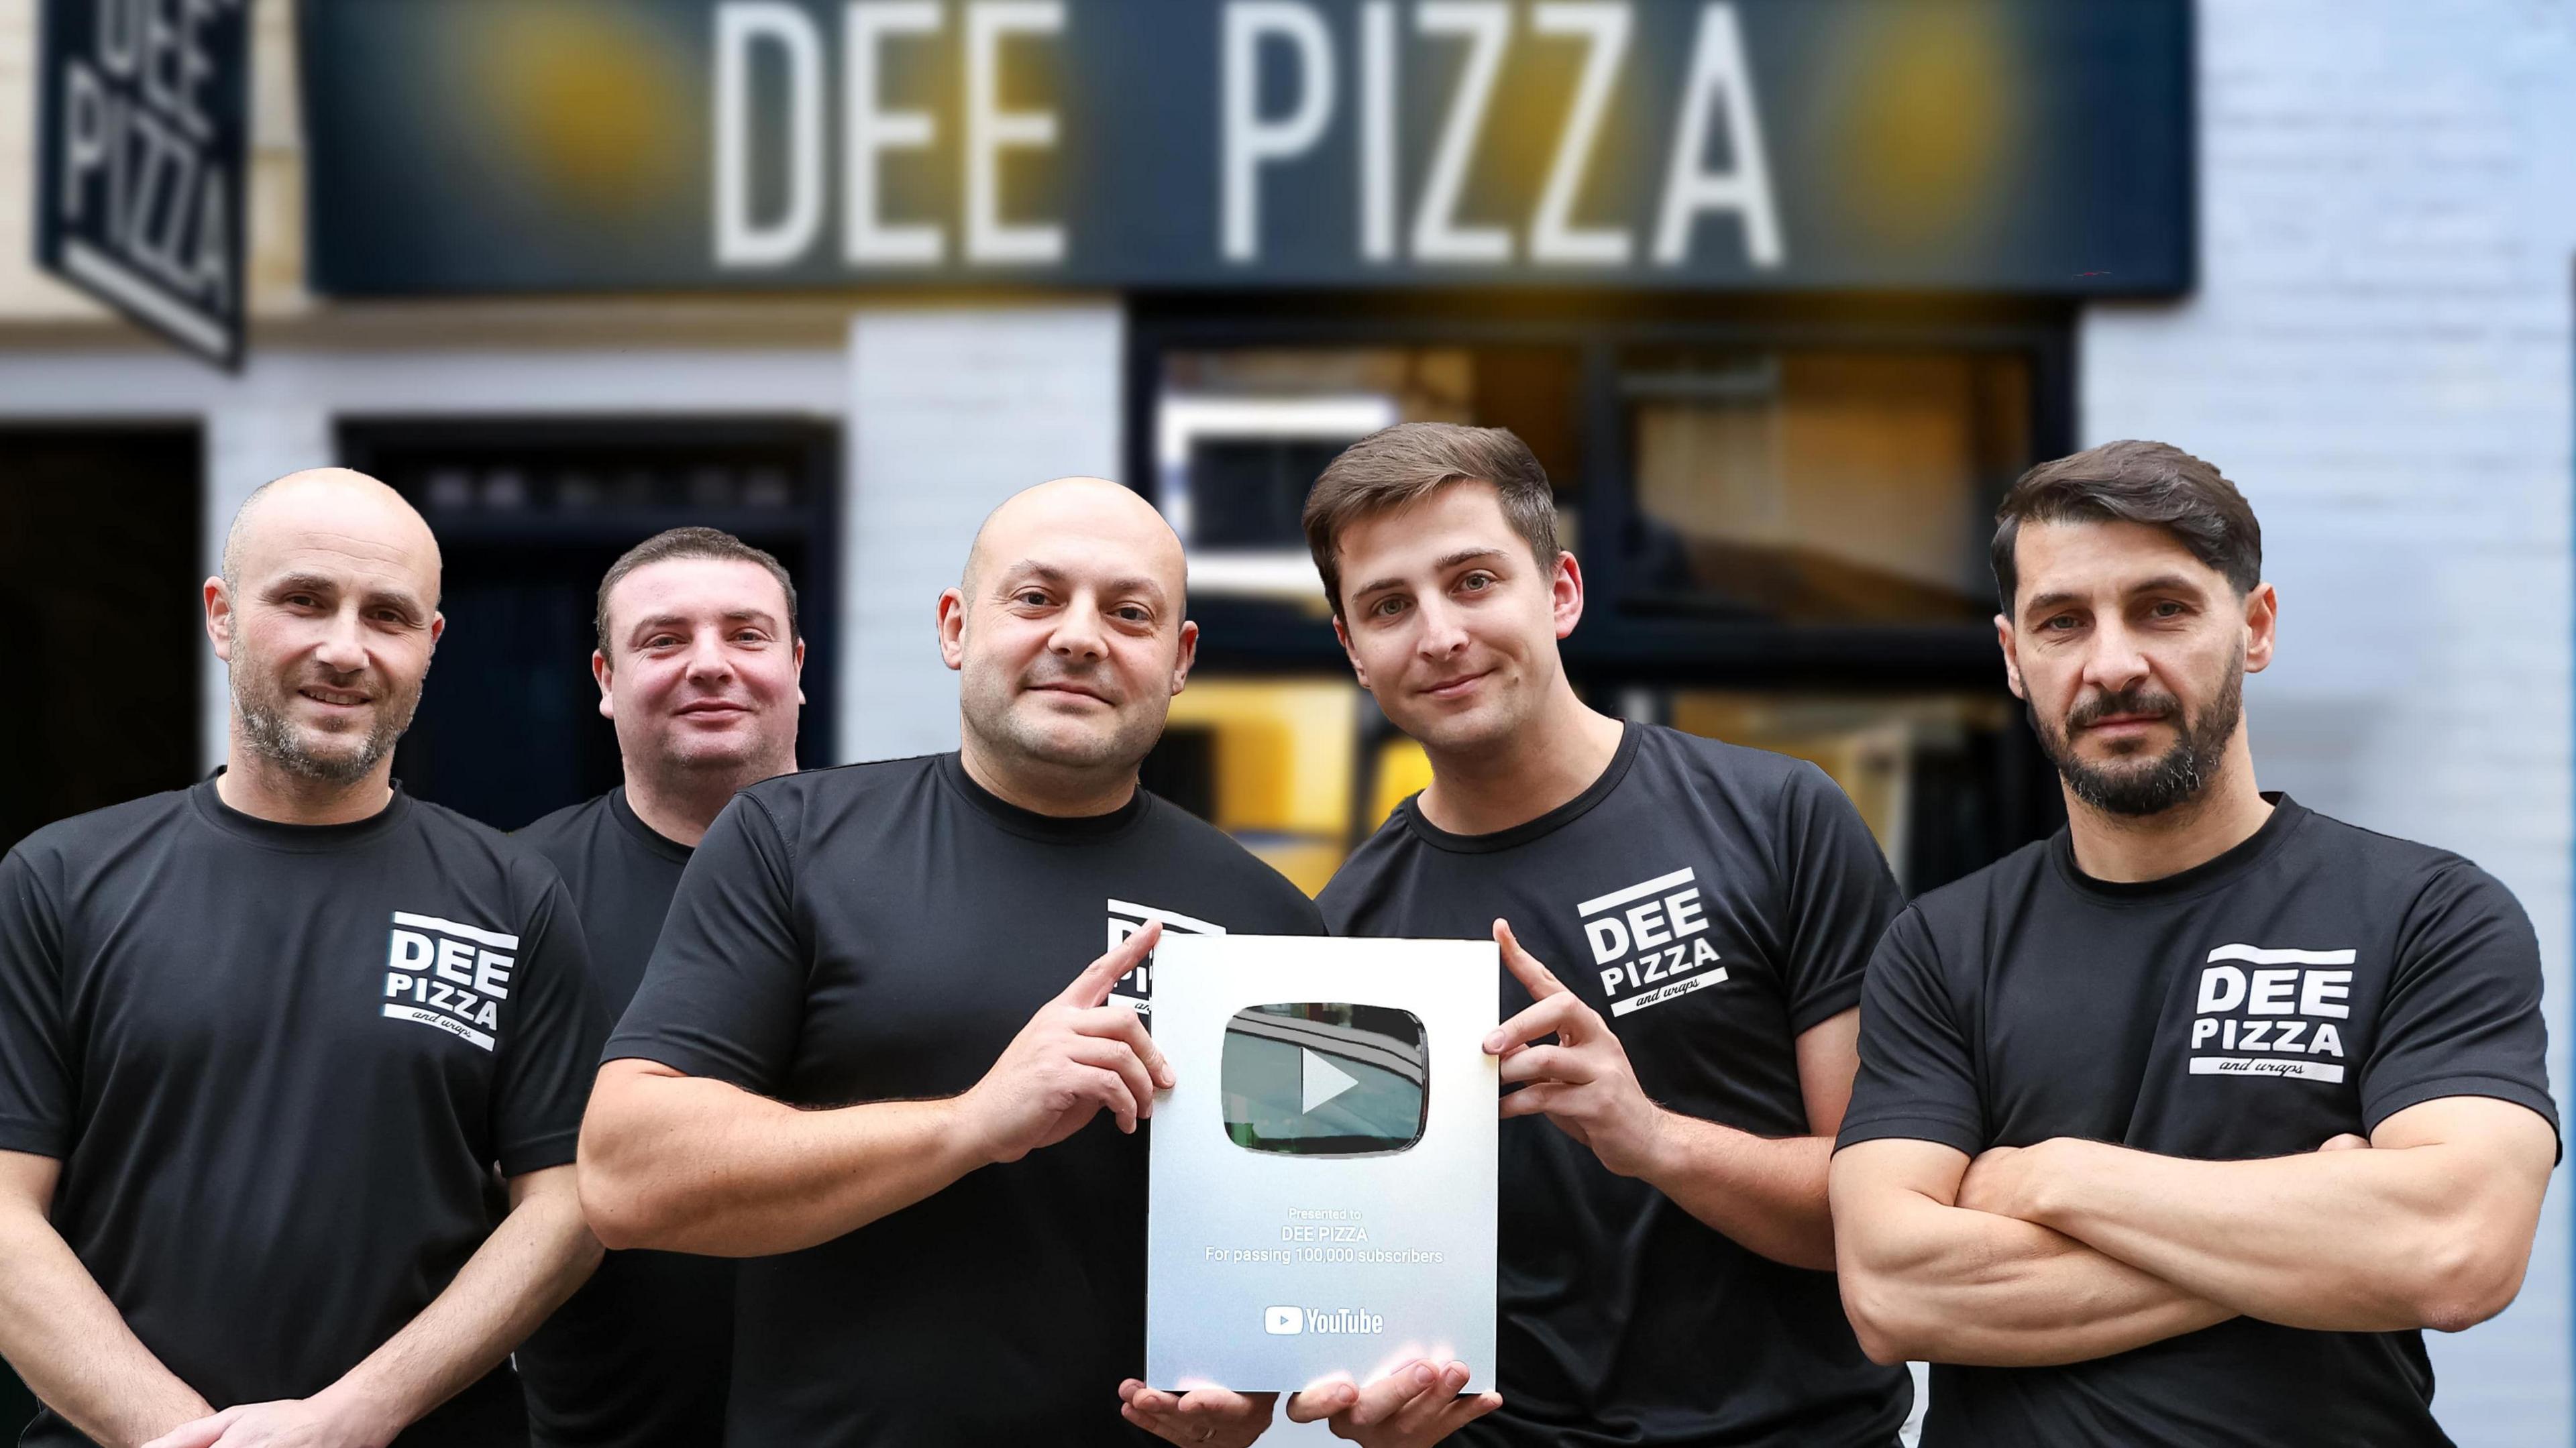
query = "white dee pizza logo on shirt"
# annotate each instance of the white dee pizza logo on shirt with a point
(1136, 987)
(1651, 939)
(2262, 1012)
(448, 976)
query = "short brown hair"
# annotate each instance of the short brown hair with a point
(692, 543)
(2136, 482)
(1399, 466)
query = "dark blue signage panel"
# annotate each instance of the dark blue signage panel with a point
(140, 153)
(2029, 146)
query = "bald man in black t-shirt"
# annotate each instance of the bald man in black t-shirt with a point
(867, 1051)
(265, 1042)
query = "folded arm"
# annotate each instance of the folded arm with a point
(1923, 1277)
(63, 1335)
(2431, 1227)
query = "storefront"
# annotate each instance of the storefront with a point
(1783, 295)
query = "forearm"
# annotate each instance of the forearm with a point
(691, 1165)
(73, 1348)
(2343, 1241)
(1768, 1194)
(1944, 1284)
(532, 1262)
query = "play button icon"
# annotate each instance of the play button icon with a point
(1324, 1081)
(1325, 1078)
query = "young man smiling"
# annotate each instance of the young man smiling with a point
(698, 666)
(2179, 1126)
(1666, 1251)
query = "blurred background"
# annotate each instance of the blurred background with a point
(1782, 292)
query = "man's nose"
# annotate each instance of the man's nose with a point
(343, 649)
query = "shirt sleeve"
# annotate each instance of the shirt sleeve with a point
(724, 997)
(1918, 1080)
(552, 1053)
(35, 1062)
(2463, 1011)
(1840, 897)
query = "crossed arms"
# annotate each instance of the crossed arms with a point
(2069, 1250)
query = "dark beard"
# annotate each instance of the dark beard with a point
(2176, 778)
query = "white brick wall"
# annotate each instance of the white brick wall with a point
(951, 411)
(2379, 354)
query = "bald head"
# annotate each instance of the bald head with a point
(1094, 509)
(324, 504)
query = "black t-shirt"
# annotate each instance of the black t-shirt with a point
(279, 1064)
(882, 931)
(1712, 902)
(2317, 979)
(639, 1358)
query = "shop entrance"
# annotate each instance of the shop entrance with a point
(529, 515)
(100, 561)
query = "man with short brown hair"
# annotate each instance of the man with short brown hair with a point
(699, 666)
(2178, 1127)
(1666, 1254)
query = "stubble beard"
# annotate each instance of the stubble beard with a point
(260, 705)
(2175, 778)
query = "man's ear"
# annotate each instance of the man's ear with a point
(2012, 666)
(2262, 621)
(219, 617)
(437, 630)
(1342, 634)
(1185, 656)
(599, 673)
(800, 671)
(1565, 593)
(952, 628)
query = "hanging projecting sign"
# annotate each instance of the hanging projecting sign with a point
(141, 154)
(2030, 146)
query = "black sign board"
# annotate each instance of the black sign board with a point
(142, 150)
(2021, 146)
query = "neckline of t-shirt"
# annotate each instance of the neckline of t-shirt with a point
(647, 836)
(1028, 823)
(1631, 734)
(2287, 815)
(302, 839)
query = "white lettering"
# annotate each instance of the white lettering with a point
(397, 983)
(2326, 1042)
(1377, 130)
(2275, 991)
(2256, 1035)
(1609, 937)
(86, 141)
(1719, 75)
(1685, 910)
(1249, 142)
(2323, 992)
(1702, 952)
(869, 131)
(742, 240)
(990, 130)
(492, 974)
(1553, 236)
(455, 962)
(2201, 1031)
(2222, 988)
(409, 951)
(1610, 979)
(1486, 25)
(1646, 925)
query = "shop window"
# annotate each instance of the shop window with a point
(1241, 433)
(1820, 487)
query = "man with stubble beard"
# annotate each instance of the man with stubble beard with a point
(264, 1043)
(2180, 1126)
(866, 1051)
(698, 665)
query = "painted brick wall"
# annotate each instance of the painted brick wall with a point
(951, 411)
(2379, 356)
